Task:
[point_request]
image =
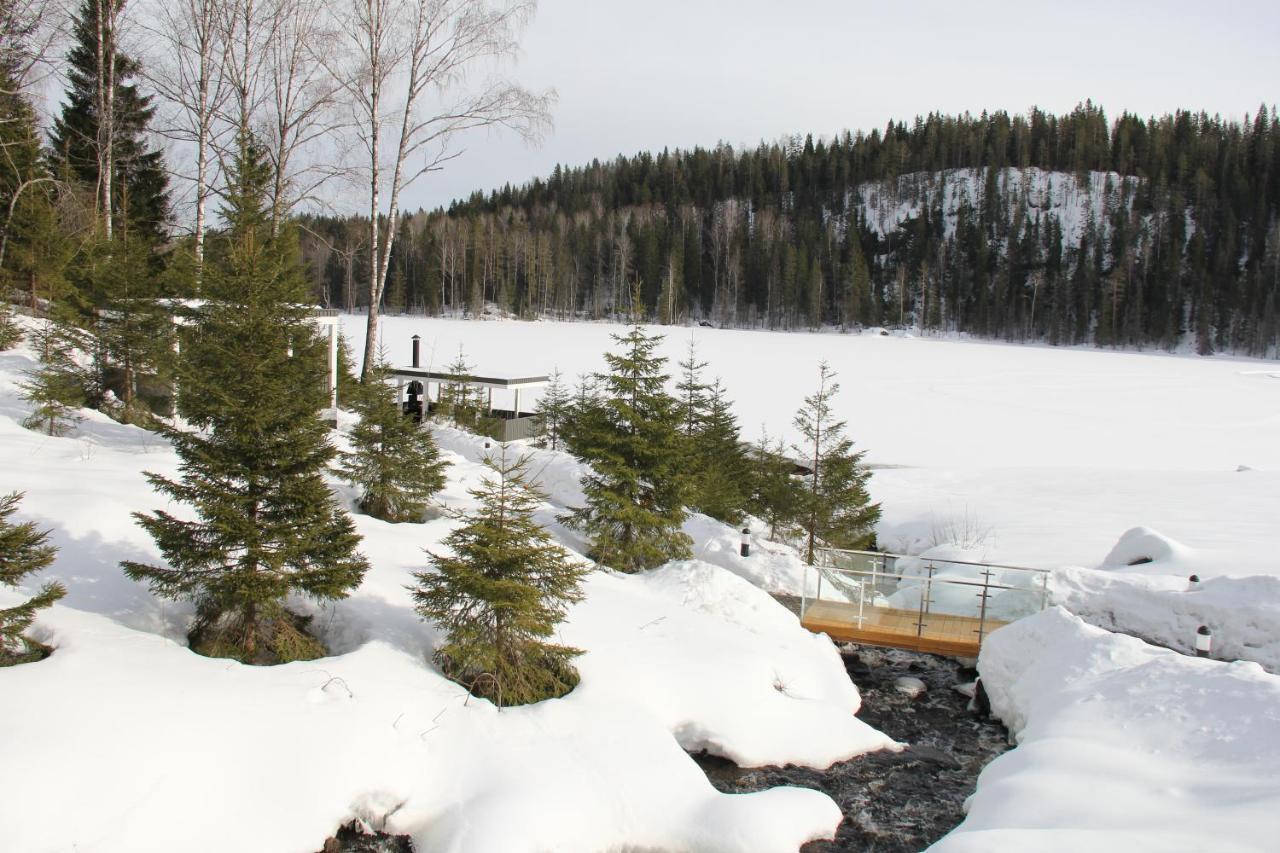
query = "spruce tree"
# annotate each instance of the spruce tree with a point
(775, 493)
(23, 550)
(139, 203)
(460, 401)
(836, 509)
(501, 592)
(265, 523)
(691, 392)
(554, 406)
(721, 475)
(637, 488)
(10, 331)
(394, 461)
(133, 330)
(56, 389)
(32, 248)
(580, 413)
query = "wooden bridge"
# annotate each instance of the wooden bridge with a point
(945, 607)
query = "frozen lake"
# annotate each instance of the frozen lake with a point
(1054, 453)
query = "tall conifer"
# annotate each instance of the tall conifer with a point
(139, 186)
(266, 525)
(630, 436)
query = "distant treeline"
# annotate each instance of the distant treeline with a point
(1069, 229)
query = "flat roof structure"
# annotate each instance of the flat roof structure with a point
(502, 383)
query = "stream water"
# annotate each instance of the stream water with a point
(893, 802)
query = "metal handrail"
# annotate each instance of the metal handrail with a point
(875, 570)
(892, 556)
(923, 578)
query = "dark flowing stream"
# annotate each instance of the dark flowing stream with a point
(893, 802)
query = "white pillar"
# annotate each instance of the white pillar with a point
(517, 403)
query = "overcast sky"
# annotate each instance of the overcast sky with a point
(645, 74)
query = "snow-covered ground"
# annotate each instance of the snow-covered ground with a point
(1122, 747)
(124, 740)
(1047, 455)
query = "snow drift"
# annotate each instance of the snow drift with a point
(1122, 746)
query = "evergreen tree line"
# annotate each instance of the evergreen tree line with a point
(1181, 242)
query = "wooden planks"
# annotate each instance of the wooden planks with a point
(940, 633)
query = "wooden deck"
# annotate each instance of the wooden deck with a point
(941, 634)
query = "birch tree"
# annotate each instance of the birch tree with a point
(283, 94)
(190, 74)
(408, 77)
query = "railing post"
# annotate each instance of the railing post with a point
(1044, 590)
(862, 596)
(804, 589)
(924, 601)
(982, 612)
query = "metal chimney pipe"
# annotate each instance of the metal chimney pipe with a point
(417, 351)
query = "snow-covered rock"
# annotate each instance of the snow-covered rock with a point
(1146, 550)
(910, 686)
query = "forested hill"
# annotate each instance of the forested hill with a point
(1069, 229)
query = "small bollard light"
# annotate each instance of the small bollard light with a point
(746, 542)
(1204, 641)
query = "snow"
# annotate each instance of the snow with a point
(1048, 454)
(1147, 550)
(1122, 746)
(1242, 613)
(1060, 196)
(1062, 459)
(124, 740)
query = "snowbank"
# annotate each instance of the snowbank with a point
(1242, 613)
(1143, 549)
(124, 740)
(1122, 746)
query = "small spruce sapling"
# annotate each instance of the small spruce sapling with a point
(23, 550)
(776, 493)
(501, 592)
(394, 461)
(459, 400)
(55, 388)
(836, 509)
(10, 331)
(554, 407)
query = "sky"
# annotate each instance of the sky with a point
(633, 76)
